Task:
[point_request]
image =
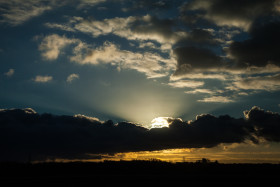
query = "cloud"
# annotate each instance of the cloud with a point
(72, 77)
(244, 66)
(52, 45)
(25, 132)
(138, 28)
(10, 73)
(229, 12)
(86, 3)
(199, 38)
(216, 99)
(59, 27)
(260, 49)
(186, 84)
(153, 28)
(195, 91)
(43, 79)
(151, 64)
(150, 5)
(223, 40)
(147, 45)
(192, 58)
(16, 12)
(196, 74)
(266, 123)
(268, 83)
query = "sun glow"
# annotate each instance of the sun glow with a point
(159, 122)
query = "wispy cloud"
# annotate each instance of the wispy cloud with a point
(139, 28)
(267, 83)
(16, 12)
(52, 45)
(151, 64)
(196, 91)
(42, 79)
(216, 99)
(72, 77)
(10, 73)
(186, 84)
(86, 3)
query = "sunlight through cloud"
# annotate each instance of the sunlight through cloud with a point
(160, 122)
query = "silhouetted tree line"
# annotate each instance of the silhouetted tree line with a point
(152, 171)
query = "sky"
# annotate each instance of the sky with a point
(146, 64)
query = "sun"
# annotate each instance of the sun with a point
(159, 122)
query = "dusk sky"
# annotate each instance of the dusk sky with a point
(209, 64)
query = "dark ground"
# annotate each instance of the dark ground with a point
(139, 173)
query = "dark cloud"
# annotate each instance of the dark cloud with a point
(189, 58)
(266, 123)
(262, 47)
(202, 36)
(199, 38)
(193, 52)
(244, 9)
(154, 25)
(258, 20)
(208, 131)
(150, 5)
(227, 12)
(25, 132)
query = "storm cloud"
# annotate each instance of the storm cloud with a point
(24, 132)
(262, 47)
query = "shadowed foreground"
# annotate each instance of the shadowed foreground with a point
(138, 173)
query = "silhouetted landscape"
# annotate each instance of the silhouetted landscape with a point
(139, 172)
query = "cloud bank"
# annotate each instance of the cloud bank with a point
(23, 132)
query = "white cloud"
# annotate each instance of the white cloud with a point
(196, 91)
(269, 83)
(51, 45)
(200, 75)
(96, 28)
(92, 119)
(149, 29)
(72, 77)
(151, 64)
(10, 73)
(216, 99)
(60, 27)
(43, 79)
(16, 12)
(147, 44)
(186, 84)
